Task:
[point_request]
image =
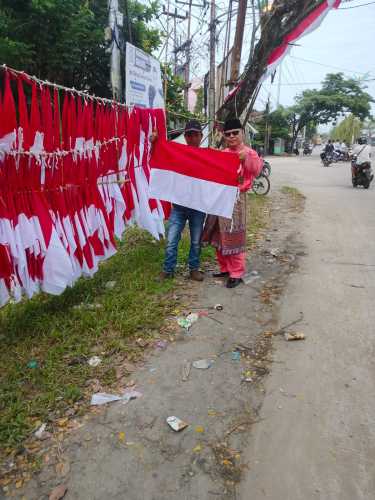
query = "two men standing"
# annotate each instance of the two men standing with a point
(228, 236)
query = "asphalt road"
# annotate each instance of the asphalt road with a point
(316, 437)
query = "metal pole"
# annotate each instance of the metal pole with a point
(211, 88)
(115, 51)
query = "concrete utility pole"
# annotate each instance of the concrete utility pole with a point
(114, 21)
(211, 88)
(238, 41)
(188, 52)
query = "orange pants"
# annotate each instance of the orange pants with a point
(235, 265)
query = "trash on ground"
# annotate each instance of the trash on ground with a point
(203, 314)
(218, 307)
(188, 321)
(102, 398)
(161, 344)
(94, 361)
(199, 429)
(176, 423)
(33, 363)
(184, 323)
(236, 356)
(141, 342)
(198, 448)
(251, 277)
(62, 468)
(58, 492)
(203, 364)
(110, 285)
(294, 336)
(186, 367)
(39, 434)
(275, 252)
(90, 307)
(247, 376)
(121, 437)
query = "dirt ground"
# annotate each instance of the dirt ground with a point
(128, 451)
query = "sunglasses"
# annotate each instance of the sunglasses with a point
(231, 132)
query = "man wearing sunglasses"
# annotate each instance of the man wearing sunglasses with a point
(228, 236)
(177, 221)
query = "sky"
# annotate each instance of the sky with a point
(345, 42)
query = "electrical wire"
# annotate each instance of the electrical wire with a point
(356, 6)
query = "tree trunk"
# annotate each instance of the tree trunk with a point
(275, 24)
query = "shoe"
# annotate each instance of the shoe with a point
(220, 275)
(233, 282)
(166, 276)
(196, 275)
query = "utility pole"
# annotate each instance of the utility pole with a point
(187, 65)
(115, 20)
(211, 88)
(238, 41)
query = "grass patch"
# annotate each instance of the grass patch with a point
(296, 197)
(45, 342)
(258, 214)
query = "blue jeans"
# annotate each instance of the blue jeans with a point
(177, 222)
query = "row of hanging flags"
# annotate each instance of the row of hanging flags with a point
(75, 171)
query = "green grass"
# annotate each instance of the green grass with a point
(258, 216)
(296, 197)
(58, 335)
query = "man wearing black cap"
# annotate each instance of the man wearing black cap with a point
(179, 216)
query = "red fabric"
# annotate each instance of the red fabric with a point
(235, 264)
(201, 163)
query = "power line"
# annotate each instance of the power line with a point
(356, 6)
(328, 65)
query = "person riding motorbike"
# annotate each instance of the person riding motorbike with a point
(328, 150)
(361, 159)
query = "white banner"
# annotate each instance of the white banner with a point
(144, 86)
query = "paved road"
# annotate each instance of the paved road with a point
(317, 439)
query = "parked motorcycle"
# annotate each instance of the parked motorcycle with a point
(361, 174)
(266, 169)
(261, 185)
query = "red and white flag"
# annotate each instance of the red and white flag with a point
(200, 178)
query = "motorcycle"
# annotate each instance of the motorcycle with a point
(261, 185)
(266, 169)
(327, 159)
(307, 150)
(361, 174)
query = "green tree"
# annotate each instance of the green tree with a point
(63, 40)
(348, 130)
(338, 96)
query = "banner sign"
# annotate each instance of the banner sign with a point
(144, 86)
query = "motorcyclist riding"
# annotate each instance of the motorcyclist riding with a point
(361, 159)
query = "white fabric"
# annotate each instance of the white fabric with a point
(206, 196)
(364, 153)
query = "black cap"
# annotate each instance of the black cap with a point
(232, 124)
(193, 126)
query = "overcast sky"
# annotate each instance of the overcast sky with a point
(345, 40)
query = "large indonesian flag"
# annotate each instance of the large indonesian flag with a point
(198, 178)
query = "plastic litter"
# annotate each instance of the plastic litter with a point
(218, 307)
(94, 361)
(203, 364)
(188, 321)
(186, 367)
(236, 356)
(275, 252)
(176, 423)
(32, 364)
(294, 336)
(251, 277)
(39, 434)
(102, 398)
(161, 344)
(110, 285)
